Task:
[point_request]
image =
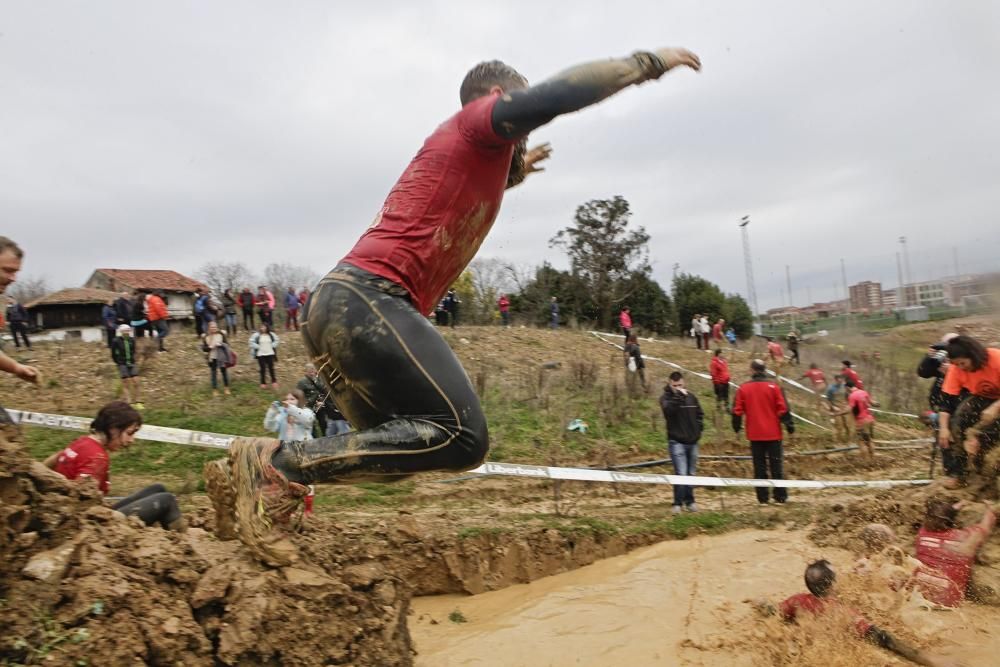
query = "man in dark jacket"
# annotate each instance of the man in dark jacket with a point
(17, 319)
(935, 366)
(123, 310)
(685, 420)
(246, 305)
(765, 407)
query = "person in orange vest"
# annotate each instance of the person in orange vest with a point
(156, 313)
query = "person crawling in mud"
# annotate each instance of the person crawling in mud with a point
(947, 552)
(968, 424)
(113, 429)
(822, 601)
(389, 372)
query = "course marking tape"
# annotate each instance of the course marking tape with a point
(706, 376)
(180, 436)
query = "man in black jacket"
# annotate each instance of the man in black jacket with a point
(17, 318)
(685, 420)
(123, 309)
(934, 366)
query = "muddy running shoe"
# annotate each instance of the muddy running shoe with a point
(952, 483)
(675, 509)
(693, 507)
(265, 500)
(219, 487)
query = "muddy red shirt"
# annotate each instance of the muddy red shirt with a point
(625, 319)
(774, 349)
(717, 331)
(816, 376)
(860, 402)
(85, 457)
(852, 375)
(441, 208)
(763, 403)
(944, 574)
(719, 370)
(809, 603)
(984, 382)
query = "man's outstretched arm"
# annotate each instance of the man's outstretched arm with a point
(519, 112)
(882, 638)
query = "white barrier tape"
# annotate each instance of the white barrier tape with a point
(898, 414)
(182, 436)
(704, 376)
(177, 436)
(589, 475)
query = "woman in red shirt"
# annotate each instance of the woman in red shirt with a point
(114, 428)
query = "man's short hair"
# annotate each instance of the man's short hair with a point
(6, 245)
(485, 75)
(846, 363)
(820, 577)
(758, 366)
(941, 514)
(850, 383)
(676, 375)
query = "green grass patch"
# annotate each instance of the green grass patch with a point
(367, 494)
(472, 532)
(679, 525)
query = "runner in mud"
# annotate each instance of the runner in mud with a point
(114, 428)
(11, 256)
(968, 426)
(718, 368)
(947, 552)
(763, 402)
(859, 404)
(822, 600)
(847, 370)
(391, 374)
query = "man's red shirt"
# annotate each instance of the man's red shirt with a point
(85, 457)
(763, 403)
(441, 208)
(852, 375)
(811, 604)
(719, 370)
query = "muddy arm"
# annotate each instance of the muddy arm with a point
(882, 638)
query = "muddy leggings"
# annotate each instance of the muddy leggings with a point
(152, 504)
(395, 380)
(967, 415)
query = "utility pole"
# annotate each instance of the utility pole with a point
(909, 276)
(676, 266)
(954, 260)
(791, 301)
(901, 292)
(847, 294)
(748, 265)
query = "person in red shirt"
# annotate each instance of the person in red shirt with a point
(822, 600)
(816, 377)
(968, 416)
(390, 373)
(850, 374)
(114, 428)
(775, 352)
(503, 303)
(625, 319)
(718, 368)
(303, 296)
(946, 552)
(717, 332)
(859, 404)
(765, 407)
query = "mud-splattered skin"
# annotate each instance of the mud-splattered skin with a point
(390, 373)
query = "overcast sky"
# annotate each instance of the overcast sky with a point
(170, 134)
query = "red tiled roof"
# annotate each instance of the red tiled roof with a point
(74, 295)
(153, 279)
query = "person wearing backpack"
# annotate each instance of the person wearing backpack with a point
(219, 356)
(139, 322)
(245, 300)
(264, 348)
(229, 309)
(199, 307)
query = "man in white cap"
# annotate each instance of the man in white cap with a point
(123, 354)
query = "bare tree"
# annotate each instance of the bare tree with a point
(490, 278)
(221, 276)
(28, 289)
(279, 277)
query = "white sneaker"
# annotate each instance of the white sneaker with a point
(693, 507)
(675, 509)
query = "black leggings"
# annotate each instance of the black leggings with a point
(394, 378)
(266, 363)
(248, 320)
(767, 454)
(152, 504)
(217, 368)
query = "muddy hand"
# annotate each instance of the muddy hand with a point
(27, 373)
(674, 57)
(972, 445)
(536, 154)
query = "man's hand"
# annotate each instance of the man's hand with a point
(536, 154)
(944, 439)
(27, 373)
(972, 444)
(673, 57)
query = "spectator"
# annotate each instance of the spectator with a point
(718, 368)
(291, 309)
(503, 303)
(290, 418)
(17, 320)
(849, 373)
(329, 420)
(451, 304)
(246, 305)
(947, 552)
(219, 356)
(139, 322)
(685, 420)
(554, 313)
(696, 329)
(108, 319)
(303, 297)
(264, 348)
(265, 306)
(156, 312)
(625, 319)
(859, 403)
(633, 358)
(229, 310)
(114, 428)
(11, 257)
(123, 354)
(793, 345)
(968, 416)
(441, 314)
(935, 366)
(199, 308)
(123, 309)
(706, 330)
(717, 332)
(764, 405)
(731, 336)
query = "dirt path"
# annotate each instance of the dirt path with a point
(670, 603)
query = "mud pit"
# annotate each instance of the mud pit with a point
(675, 603)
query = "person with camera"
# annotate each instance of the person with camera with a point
(329, 420)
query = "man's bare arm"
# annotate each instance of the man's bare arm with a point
(887, 641)
(519, 112)
(26, 373)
